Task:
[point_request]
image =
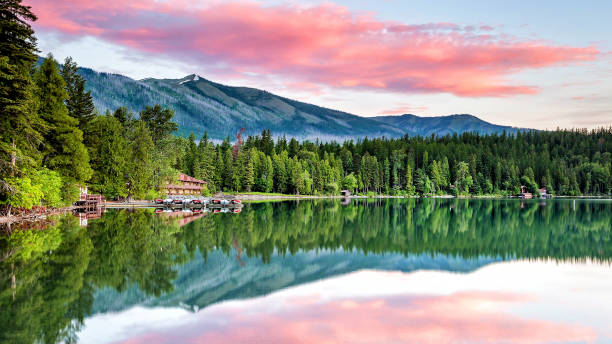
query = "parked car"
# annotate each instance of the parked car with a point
(159, 201)
(168, 201)
(178, 201)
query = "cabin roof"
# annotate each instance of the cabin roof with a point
(185, 178)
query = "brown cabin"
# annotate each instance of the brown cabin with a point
(186, 185)
(524, 194)
(544, 193)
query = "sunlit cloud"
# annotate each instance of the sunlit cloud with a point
(403, 109)
(474, 317)
(315, 46)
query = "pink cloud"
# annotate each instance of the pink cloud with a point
(324, 45)
(469, 317)
(403, 109)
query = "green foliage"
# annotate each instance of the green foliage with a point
(109, 151)
(349, 182)
(141, 162)
(423, 183)
(19, 122)
(70, 191)
(159, 121)
(23, 193)
(79, 103)
(50, 183)
(63, 150)
(464, 180)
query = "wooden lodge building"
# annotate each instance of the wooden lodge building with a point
(524, 194)
(186, 185)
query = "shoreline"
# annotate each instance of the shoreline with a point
(8, 220)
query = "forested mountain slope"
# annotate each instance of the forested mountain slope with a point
(202, 105)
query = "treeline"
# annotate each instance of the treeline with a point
(566, 162)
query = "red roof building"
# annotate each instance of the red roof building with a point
(186, 185)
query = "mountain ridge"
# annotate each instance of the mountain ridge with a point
(221, 110)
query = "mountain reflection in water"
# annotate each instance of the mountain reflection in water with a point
(52, 279)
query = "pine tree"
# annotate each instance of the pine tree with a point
(386, 175)
(249, 170)
(141, 167)
(408, 186)
(228, 168)
(19, 123)
(446, 175)
(63, 150)
(219, 171)
(422, 181)
(123, 115)
(109, 156)
(191, 156)
(269, 175)
(436, 175)
(464, 180)
(79, 103)
(159, 121)
(206, 166)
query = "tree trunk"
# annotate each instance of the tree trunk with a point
(13, 158)
(13, 280)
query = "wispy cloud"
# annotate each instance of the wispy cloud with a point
(403, 109)
(325, 45)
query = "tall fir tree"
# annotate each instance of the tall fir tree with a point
(109, 156)
(79, 103)
(141, 167)
(159, 121)
(409, 185)
(248, 179)
(63, 149)
(191, 156)
(422, 182)
(19, 123)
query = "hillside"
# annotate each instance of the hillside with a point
(222, 110)
(442, 125)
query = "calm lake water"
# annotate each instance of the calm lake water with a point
(371, 271)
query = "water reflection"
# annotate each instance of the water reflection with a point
(51, 279)
(494, 304)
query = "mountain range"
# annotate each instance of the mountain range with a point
(202, 105)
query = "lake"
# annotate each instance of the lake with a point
(370, 271)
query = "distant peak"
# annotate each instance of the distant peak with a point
(190, 77)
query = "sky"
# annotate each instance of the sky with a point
(536, 64)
